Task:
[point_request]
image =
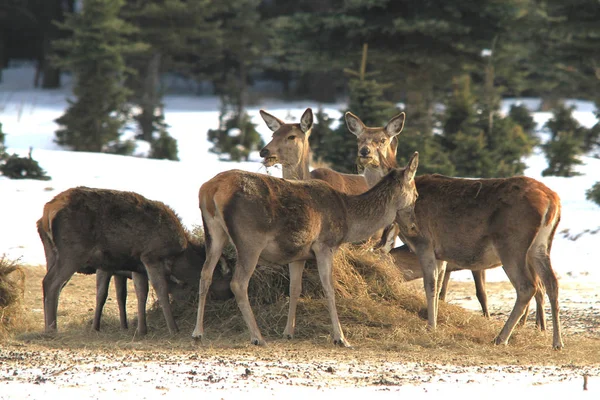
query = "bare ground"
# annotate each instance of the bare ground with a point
(121, 366)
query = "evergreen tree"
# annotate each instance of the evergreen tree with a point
(242, 35)
(593, 193)
(321, 130)
(236, 135)
(172, 29)
(481, 143)
(95, 54)
(566, 143)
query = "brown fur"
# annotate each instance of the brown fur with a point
(283, 221)
(84, 230)
(480, 224)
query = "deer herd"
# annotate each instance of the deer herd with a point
(446, 224)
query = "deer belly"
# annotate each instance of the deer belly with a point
(284, 253)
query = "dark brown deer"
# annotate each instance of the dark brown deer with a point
(478, 224)
(290, 148)
(84, 230)
(280, 221)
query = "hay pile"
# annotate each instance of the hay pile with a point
(373, 304)
(12, 283)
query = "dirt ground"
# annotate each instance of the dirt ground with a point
(31, 368)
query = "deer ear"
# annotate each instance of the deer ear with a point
(396, 124)
(411, 167)
(355, 125)
(306, 121)
(272, 122)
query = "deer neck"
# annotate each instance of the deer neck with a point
(374, 174)
(371, 211)
(299, 170)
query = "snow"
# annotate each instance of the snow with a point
(28, 118)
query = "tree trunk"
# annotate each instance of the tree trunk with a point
(419, 101)
(150, 98)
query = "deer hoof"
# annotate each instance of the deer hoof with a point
(341, 343)
(558, 346)
(497, 341)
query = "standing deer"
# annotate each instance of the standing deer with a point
(476, 224)
(290, 148)
(281, 221)
(84, 230)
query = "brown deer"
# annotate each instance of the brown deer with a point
(280, 221)
(290, 148)
(476, 224)
(85, 229)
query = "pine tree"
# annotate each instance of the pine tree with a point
(593, 193)
(173, 30)
(236, 135)
(95, 54)
(479, 141)
(565, 145)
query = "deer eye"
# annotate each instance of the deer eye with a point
(382, 141)
(292, 137)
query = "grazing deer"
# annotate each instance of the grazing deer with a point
(281, 221)
(476, 224)
(87, 230)
(290, 148)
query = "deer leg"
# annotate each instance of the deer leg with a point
(102, 283)
(325, 267)
(523, 319)
(246, 263)
(540, 315)
(542, 263)
(155, 271)
(140, 283)
(296, 269)
(216, 238)
(55, 279)
(479, 279)
(516, 272)
(431, 271)
(121, 292)
(443, 285)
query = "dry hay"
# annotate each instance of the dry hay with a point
(373, 303)
(12, 283)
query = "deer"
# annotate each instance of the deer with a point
(281, 221)
(476, 224)
(89, 230)
(290, 147)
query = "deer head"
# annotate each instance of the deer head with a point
(289, 145)
(376, 146)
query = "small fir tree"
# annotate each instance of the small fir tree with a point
(236, 135)
(566, 143)
(480, 142)
(593, 193)
(95, 54)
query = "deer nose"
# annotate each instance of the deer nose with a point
(365, 151)
(264, 152)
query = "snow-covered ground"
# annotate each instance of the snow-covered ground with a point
(28, 117)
